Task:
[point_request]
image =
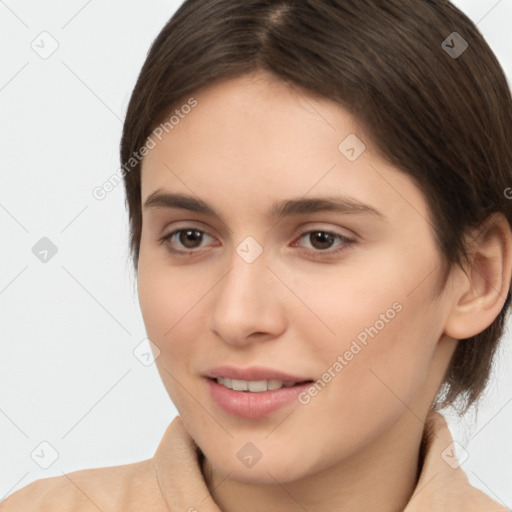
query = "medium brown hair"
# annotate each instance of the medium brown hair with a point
(444, 120)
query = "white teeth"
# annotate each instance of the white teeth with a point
(274, 384)
(254, 386)
(238, 385)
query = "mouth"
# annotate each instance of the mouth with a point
(254, 399)
(257, 386)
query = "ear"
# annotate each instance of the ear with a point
(479, 296)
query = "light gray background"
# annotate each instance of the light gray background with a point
(68, 327)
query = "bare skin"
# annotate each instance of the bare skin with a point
(249, 143)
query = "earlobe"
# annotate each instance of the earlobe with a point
(480, 293)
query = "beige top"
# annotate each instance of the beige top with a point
(173, 481)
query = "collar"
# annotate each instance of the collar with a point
(442, 486)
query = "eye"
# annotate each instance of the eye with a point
(190, 239)
(186, 237)
(322, 241)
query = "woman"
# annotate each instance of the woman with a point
(317, 194)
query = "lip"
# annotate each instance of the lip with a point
(253, 373)
(249, 405)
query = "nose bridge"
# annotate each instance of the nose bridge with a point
(243, 286)
(245, 301)
(248, 268)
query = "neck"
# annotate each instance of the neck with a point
(382, 477)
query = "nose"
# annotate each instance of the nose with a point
(246, 304)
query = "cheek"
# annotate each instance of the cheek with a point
(172, 306)
(167, 295)
(164, 305)
(381, 336)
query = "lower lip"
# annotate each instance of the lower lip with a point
(246, 404)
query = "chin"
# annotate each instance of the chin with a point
(267, 472)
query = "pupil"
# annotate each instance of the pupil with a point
(190, 235)
(325, 238)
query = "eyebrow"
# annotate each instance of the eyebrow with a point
(281, 209)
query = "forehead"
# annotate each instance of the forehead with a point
(252, 141)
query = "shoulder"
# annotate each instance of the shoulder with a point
(116, 488)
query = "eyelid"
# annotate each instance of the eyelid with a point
(327, 228)
(190, 224)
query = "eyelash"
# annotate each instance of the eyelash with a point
(316, 253)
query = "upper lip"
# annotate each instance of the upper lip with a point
(252, 373)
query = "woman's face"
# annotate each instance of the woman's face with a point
(344, 295)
